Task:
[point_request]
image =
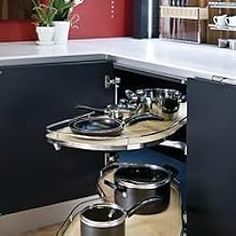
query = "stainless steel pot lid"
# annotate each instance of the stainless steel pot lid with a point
(103, 215)
(142, 176)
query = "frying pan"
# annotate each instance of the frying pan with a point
(105, 126)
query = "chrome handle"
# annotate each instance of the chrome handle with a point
(52, 128)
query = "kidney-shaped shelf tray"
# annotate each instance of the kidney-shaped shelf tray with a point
(137, 136)
(168, 222)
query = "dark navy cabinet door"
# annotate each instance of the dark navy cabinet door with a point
(211, 135)
(32, 173)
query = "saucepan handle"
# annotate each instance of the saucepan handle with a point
(144, 203)
(103, 173)
(85, 107)
(110, 184)
(142, 117)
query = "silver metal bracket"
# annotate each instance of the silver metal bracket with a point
(109, 158)
(56, 146)
(109, 82)
(175, 144)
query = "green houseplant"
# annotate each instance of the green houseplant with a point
(63, 18)
(64, 8)
(44, 16)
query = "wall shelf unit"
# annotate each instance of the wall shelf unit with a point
(226, 28)
(221, 8)
(185, 23)
(188, 13)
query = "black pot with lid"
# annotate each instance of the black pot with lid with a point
(103, 220)
(134, 183)
(108, 219)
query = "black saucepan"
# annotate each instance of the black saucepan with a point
(107, 219)
(136, 182)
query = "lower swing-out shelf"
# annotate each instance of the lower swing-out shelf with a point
(137, 136)
(165, 223)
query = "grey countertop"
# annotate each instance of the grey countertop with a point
(154, 56)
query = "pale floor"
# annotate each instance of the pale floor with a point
(47, 231)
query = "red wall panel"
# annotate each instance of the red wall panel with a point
(95, 21)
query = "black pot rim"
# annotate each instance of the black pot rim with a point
(105, 224)
(143, 185)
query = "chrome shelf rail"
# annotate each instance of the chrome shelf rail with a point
(229, 5)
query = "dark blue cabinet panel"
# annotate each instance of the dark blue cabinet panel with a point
(32, 173)
(211, 135)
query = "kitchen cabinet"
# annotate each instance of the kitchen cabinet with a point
(211, 160)
(32, 173)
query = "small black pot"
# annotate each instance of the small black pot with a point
(103, 220)
(107, 219)
(134, 183)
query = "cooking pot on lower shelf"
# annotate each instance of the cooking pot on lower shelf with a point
(107, 219)
(134, 183)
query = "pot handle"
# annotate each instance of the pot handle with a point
(142, 204)
(172, 170)
(103, 174)
(142, 117)
(110, 184)
(84, 107)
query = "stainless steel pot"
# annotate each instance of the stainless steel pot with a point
(167, 102)
(162, 102)
(134, 183)
(107, 219)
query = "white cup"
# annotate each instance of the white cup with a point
(220, 20)
(230, 21)
(232, 44)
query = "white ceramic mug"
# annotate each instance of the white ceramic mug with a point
(232, 44)
(220, 20)
(230, 21)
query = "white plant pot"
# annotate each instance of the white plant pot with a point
(45, 34)
(62, 29)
